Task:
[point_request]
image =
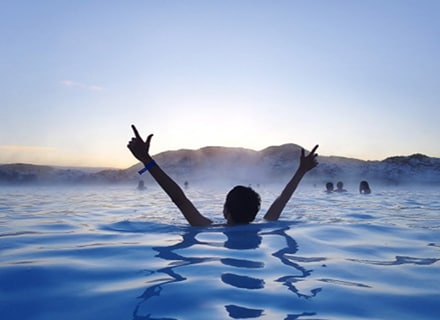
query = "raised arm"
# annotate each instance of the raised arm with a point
(306, 164)
(140, 151)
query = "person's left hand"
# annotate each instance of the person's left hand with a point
(138, 147)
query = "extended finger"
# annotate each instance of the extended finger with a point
(149, 139)
(136, 133)
(314, 149)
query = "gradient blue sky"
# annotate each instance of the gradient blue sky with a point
(361, 78)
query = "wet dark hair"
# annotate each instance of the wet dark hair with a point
(364, 187)
(329, 186)
(242, 203)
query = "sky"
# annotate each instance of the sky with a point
(359, 78)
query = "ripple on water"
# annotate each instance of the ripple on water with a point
(116, 254)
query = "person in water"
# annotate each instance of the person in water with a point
(364, 187)
(329, 188)
(340, 187)
(141, 185)
(242, 203)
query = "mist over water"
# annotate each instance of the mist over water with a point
(115, 252)
(220, 165)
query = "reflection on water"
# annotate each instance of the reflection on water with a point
(241, 241)
(400, 260)
(117, 254)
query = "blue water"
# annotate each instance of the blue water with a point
(118, 253)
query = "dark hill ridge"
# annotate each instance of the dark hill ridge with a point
(415, 160)
(228, 163)
(240, 165)
(227, 157)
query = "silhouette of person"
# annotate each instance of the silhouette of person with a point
(329, 187)
(141, 185)
(242, 203)
(340, 187)
(364, 188)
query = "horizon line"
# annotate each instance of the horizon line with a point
(76, 166)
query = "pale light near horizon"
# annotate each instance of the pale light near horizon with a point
(358, 78)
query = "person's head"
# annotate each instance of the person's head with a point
(364, 187)
(241, 205)
(340, 185)
(364, 184)
(329, 186)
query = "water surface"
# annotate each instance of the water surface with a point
(118, 253)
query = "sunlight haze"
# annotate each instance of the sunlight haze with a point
(359, 78)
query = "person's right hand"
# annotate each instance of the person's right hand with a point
(308, 162)
(138, 147)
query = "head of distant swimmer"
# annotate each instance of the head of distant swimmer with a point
(329, 186)
(241, 205)
(364, 187)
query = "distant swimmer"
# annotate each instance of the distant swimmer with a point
(141, 185)
(242, 203)
(329, 187)
(364, 188)
(340, 187)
